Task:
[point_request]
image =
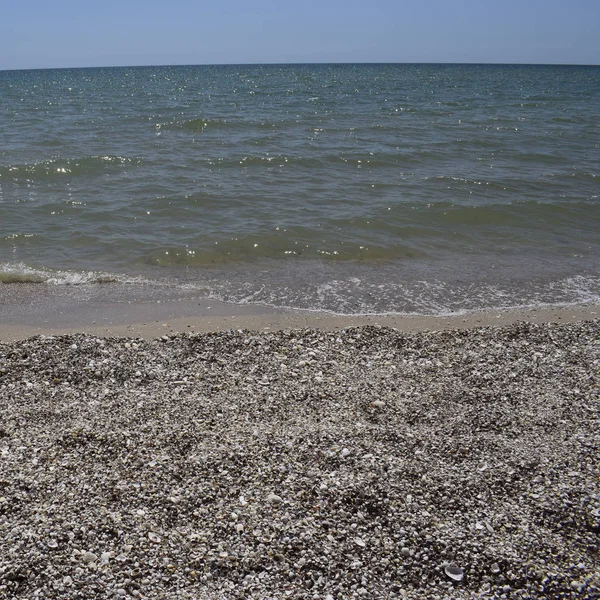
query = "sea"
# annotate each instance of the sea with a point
(348, 188)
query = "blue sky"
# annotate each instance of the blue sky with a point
(79, 33)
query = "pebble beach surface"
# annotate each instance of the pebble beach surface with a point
(362, 463)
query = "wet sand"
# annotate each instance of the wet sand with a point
(106, 310)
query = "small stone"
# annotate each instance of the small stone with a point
(359, 542)
(67, 580)
(121, 592)
(345, 452)
(454, 572)
(89, 557)
(378, 404)
(274, 499)
(405, 551)
(495, 568)
(52, 544)
(153, 537)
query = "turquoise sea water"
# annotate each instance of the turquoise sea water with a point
(351, 188)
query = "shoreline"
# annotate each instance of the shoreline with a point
(110, 311)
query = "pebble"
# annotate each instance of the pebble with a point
(89, 557)
(274, 499)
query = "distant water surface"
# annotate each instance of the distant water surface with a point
(350, 188)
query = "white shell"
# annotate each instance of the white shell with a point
(89, 557)
(454, 572)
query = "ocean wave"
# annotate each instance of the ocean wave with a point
(364, 160)
(193, 125)
(362, 295)
(62, 167)
(21, 273)
(353, 289)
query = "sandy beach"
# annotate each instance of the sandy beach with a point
(451, 457)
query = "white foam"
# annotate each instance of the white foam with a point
(23, 273)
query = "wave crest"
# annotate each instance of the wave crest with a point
(22, 273)
(61, 167)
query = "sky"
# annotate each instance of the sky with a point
(81, 33)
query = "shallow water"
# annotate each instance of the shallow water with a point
(350, 188)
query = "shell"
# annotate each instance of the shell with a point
(454, 572)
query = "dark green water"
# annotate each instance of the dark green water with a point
(352, 188)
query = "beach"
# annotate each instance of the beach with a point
(134, 311)
(455, 459)
(300, 331)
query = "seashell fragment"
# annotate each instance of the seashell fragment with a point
(52, 544)
(454, 572)
(153, 537)
(89, 557)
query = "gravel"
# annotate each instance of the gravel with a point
(363, 463)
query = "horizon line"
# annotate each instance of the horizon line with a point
(235, 64)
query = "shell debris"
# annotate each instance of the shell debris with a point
(194, 466)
